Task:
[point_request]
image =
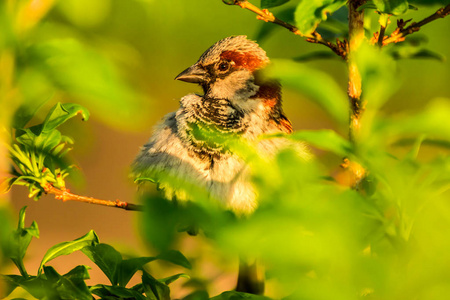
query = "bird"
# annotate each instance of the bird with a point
(238, 100)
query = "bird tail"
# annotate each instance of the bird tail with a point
(250, 277)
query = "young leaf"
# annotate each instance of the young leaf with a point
(106, 258)
(175, 257)
(128, 267)
(67, 248)
(272, 3)
(60, 113)
(318, 86)
(309, 14)
(154, 289)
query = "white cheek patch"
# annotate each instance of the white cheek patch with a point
(236, 86)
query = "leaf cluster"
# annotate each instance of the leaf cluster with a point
(49, 284)
(39, 152)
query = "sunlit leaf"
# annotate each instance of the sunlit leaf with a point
(318, 86)
(67, 248)
(309, 14)
(60, 113)
(394, 7)
(324, 139)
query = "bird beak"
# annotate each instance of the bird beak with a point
(193, 74)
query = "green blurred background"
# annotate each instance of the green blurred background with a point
(148, 43)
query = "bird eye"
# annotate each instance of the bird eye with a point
(224, 66)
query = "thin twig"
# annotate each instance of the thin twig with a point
(266, 16)
(399, 34)
(381, 36)
(66, 195)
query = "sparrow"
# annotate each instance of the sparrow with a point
(237, 100)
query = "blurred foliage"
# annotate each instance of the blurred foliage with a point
(49, 284)
(317, 238)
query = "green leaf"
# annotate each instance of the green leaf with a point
(67, 248)
(20, 240)
(170, 279)
(175, 257)
(116, 292)
(317, 85)
(60, 113)
(154, 289)
(393, 7)
(309, 14)
(323, 139)
(36, 286)
(67, 287)
(128, 267)
(272, 3)
(80, 272)
(197, 295)
(106, 258)
(232, 295)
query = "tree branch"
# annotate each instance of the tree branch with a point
(265, 15)
(399, 34)
(66, 195)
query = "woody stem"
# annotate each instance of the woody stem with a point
(356, 103)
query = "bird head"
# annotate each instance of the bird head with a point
(227, 70)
